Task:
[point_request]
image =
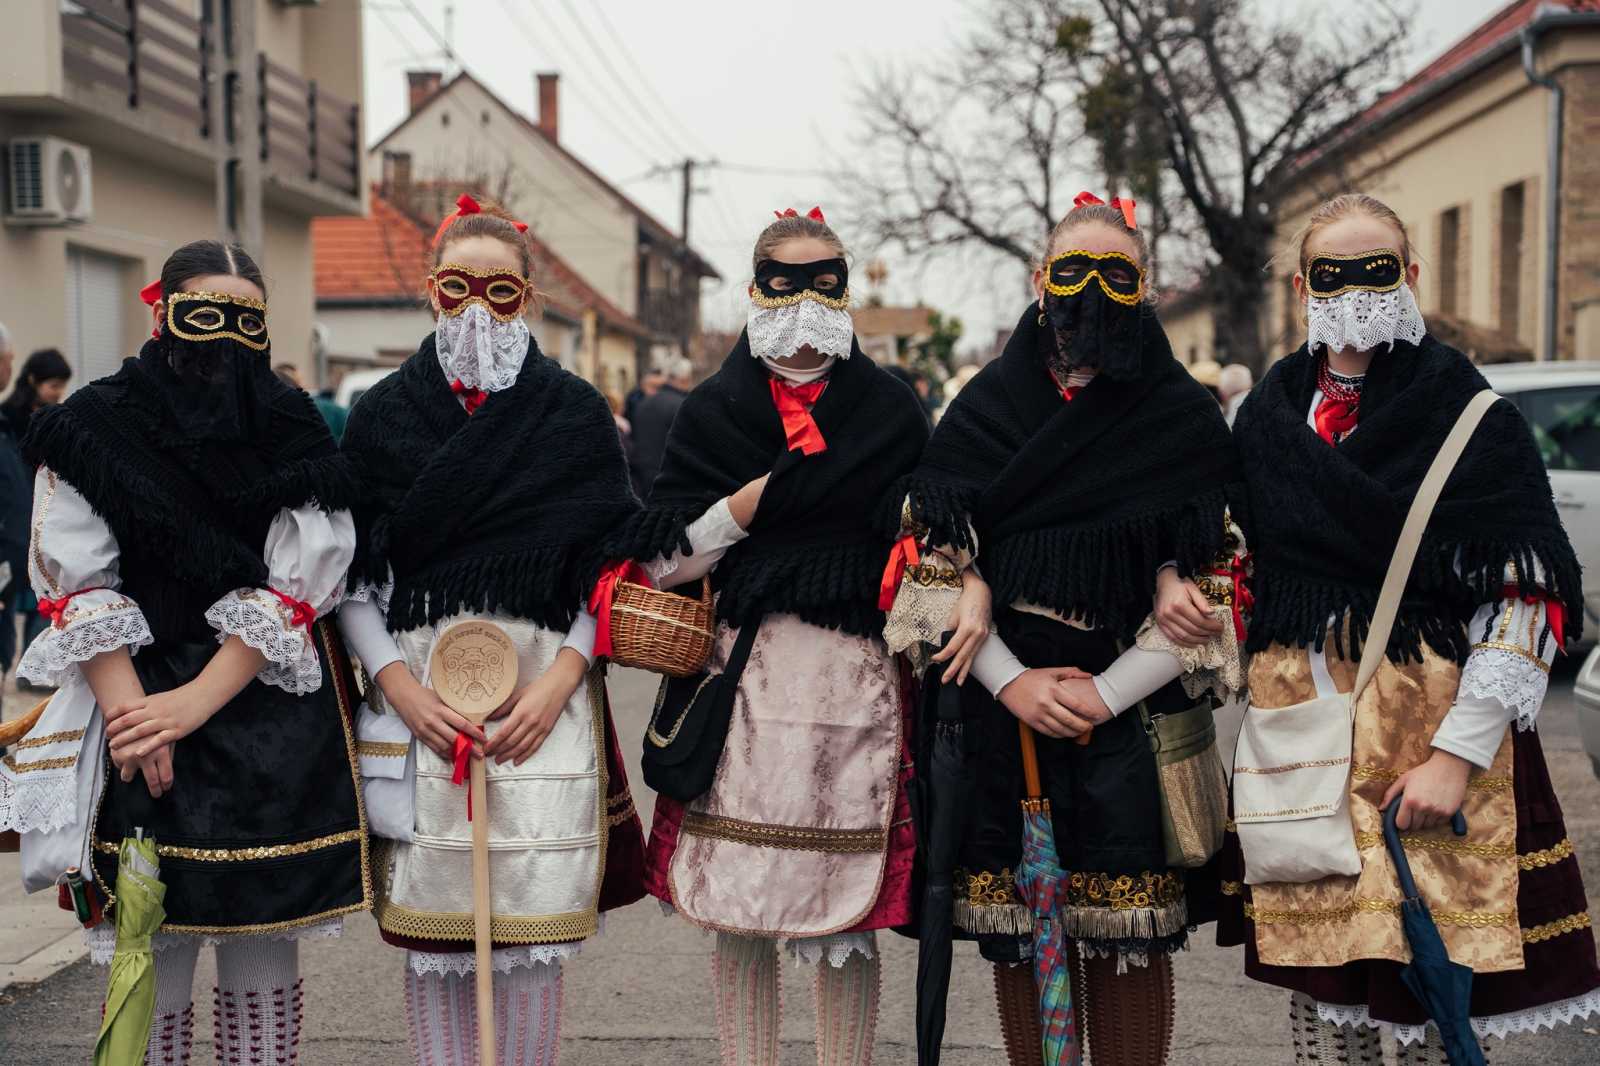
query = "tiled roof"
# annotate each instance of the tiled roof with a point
(381, 259)
(874, 321)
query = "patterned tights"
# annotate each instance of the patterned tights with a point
(1322, 1042)
(256, 1004)
(1124, 1019)
(442, 1016)
(745, 982)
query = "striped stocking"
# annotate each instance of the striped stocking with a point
(744, 978)
(847, 1009)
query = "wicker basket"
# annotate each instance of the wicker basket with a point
(661, 631)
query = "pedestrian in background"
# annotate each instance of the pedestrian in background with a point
(641, 392)
(332, 412)
(651, 422)
(1233, 385)
(42, 382)
(16, 502)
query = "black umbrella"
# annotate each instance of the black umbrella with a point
(944, 794)
(1444, 988)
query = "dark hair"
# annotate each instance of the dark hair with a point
(46, 364)
(197, 259)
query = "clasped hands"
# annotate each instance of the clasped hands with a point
(1057, 701)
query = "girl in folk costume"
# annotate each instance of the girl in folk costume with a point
(1334, 443)
(491, 475)
(191, 500)
(775, 473)
(1068, 471)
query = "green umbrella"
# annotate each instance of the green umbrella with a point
(131, 992)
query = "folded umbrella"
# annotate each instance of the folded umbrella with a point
(1039, 880)
(1444, 988)
(943, 799)
(131, 990)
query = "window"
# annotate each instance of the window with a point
(1450, 260)
(1512, 199)
(96, 295)
(1566, 425)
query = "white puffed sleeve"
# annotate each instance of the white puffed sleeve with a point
(308, 553)
(710, 537)
(72, 564)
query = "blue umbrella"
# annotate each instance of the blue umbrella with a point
(1444, 988)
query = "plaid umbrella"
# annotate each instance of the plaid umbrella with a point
(131, 991)
(1444, 988)
(941, 793)
(1039, 879)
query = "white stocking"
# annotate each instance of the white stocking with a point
(1322, 1042)
(442, 1016)
(744, 978)
(258, 1005)
(1426, 1052)
(847, 1008)
(172, 1027)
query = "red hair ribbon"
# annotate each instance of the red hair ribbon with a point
(151, 293)
(466, 205)
(794, 403)
(472, 398)
(1120, 203)
(903, 555)
(1243, 599)
(461, 761)
(301, 613)
(55, 611)
(815, 214)
(1554, 611)
(605, 590)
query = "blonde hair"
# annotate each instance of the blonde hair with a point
(1105, 215)
(1349, 205)
(491, 220)
(788, 228)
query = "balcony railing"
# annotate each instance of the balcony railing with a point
(151, 50)
(307, 132)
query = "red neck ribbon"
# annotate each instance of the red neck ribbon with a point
(1237, 571)
(794, 403)
(604, 591)
(461, 759)
(1340, 408)
(301, 613)
(903, 555)
(55, 611)
(471, 397)
(1554, 611)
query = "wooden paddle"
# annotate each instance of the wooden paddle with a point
(474, 671)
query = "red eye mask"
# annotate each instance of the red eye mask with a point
(502, 293)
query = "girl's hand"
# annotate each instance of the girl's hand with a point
(1033, 696)
(428, 717)
(139, 728)
(1080, 694)
(1182, 611)
(157, 770)
(1433, 791)
(742, 504)
(970, 621)
(533, 710)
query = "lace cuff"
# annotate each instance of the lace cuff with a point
(264, 622)
(96, 621)
(1216, 667)
(1512, 677)
(928, 593)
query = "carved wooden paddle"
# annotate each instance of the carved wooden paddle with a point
(474, 671)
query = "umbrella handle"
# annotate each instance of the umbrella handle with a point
(1030, 761)
(1397, 851)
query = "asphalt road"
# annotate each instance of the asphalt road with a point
(638, 993)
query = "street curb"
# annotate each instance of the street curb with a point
(47, 961)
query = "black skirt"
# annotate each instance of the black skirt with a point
(263, 828)
(1105, 802)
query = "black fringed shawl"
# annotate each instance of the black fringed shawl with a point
(1323, 521)
(1076, 505)
(190, 516)
(818, 543)
(502, 510)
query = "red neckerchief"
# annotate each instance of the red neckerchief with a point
(1340, 408)
(471, 398)
(794, 403)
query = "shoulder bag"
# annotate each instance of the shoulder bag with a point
(689, 726)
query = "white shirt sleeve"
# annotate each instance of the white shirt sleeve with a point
(710, 537)
(996, 665)
(1136, 673)
(1504, 678)
(73, 556)
(308, 553)
(366, 632)
(580, 638)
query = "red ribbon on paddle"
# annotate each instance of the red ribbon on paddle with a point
(1237, 570)
(301, 613)
(904, 554)
(55, 611)
(1555, 611)
(794, 403)
(461, 758)
(1121, 203)
(472, 397)
(600, 599)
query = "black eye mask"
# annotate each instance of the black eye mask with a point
(800, 278)
(1380, 270)
(210, 316)
(1118, 276)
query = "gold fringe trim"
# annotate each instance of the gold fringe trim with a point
(789, 837)
(1548, 857)
(505, 928)
(1477, 783)
(1146, 923)
(1011, 918)
(267, 851)
(1470, 919)
(384, 749)
(1549, 930)
(1454, 847)
(49, 738)
(38, 764)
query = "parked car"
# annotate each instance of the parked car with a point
(1586, 694)
(356, 382)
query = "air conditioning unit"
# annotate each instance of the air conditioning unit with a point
(49, 182)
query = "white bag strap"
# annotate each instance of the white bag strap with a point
(1405, 551)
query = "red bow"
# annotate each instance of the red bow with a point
(815, 214)
(1120, 203)
(903, 555)
(151, 293)
(55, 611)
(461, 758)
(472, 396)
(604, 591)
(1244, 600)
(1554, 611)
(301, 613)
(794, 403)
(466, 205)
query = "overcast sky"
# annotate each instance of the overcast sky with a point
(766, 89)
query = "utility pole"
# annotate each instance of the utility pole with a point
(688, 294)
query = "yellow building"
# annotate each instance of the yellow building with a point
(133, 127)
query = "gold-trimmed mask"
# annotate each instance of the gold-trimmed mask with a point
(503, 293)
(1380, 270)
(211, 316)
(1119, 277)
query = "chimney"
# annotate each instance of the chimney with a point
(549, 104)
(420, 84)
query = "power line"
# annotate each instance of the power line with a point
(787, 172)
(395, 32)
(627, 53)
